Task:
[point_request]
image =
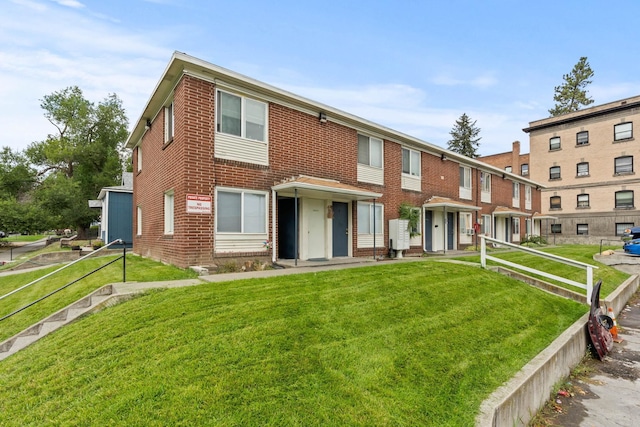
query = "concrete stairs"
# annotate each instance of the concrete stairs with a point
(95, 301)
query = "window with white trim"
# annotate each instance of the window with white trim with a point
(465, 182)
(241, 211)
(410, 162)
(524, 169)
(370, 151)
(623, 165)
(623, 131)
(485, 182)
(466, 224)
(139, 159)
(516, 225)
(168, 123)
(582, 169)
(527, 196)
(139, 221)
(242, 117)
(168, 212)
(370, 215)
(516, 190)
(486, 224)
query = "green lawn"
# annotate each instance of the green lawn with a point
(419, 343)
(138, 269)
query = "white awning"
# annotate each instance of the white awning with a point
(445, 203)
(321, 188)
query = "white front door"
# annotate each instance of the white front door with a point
(315, 228)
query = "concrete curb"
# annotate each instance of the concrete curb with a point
(517, 401)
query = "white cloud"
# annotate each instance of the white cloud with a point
(481, 82)
(69, 3)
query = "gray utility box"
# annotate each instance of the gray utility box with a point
(399, 234)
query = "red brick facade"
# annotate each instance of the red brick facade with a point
(298, 144)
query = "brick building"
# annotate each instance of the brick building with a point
(510, 161)
(585, 160)
(229, 167)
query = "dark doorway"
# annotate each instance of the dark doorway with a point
(428, 233)
(340, 229)
(451, 225)
(286, 228)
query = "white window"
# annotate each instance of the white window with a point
(242, 117)
(370, 151)
(623, 165)
(168, 212)
(554, 143)
(485, 179)
(486, 224)
(168, 123)
(516, 190)
(240, 211)
(527, 226)
(368, 216)
(465, 182)
(527, 197)
(139, 158)
(139, 221)
(410, 162)
(583, 201)
(466, 226)
(623, 131)
(516, 226)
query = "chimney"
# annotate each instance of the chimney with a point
(515, 158)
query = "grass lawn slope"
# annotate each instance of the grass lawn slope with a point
(419, 343)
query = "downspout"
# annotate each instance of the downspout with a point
(295, 221)
(273, 226)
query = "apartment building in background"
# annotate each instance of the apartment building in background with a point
(228, 167)
(585, 161)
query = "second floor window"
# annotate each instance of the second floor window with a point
(624, 199)
(583, 200)
(485, 179)
(516, 190)
(555, 202)
(582, 169)
(554, 172)
(465, 177)
(410, 162)
(241, 117)
(370, 151)
(524, 169)
(582, 138)
(623, 165)
(554, 143)
(168, 123)
(623, 131)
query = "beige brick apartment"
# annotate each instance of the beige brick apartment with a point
(585, 159)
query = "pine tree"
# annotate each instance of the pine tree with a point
(464, 137)
(572, 94)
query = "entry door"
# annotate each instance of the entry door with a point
(450, 230)
(316, 220)
(340, 230)
(286, 228)
(428, 231)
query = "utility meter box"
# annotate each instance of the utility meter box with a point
(399, 234)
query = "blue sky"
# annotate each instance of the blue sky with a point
(414, 66)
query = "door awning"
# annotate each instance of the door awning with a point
(537, 215)
(321, 188)
(442, 203)
(505, 211)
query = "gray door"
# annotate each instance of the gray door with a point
(340, 230)
(428, 236)
(450, 230)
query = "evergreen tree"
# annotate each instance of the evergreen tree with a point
(464, 137)
(572, 94)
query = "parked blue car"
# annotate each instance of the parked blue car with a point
(631, 238)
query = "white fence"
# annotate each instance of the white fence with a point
(588, 286)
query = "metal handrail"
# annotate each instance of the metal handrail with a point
(117, 241)
(60, 288)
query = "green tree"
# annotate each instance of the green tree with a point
(17, 177)
(464, 137)
(81, 157)
(572, 94)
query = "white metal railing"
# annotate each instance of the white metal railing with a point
(588, 286)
